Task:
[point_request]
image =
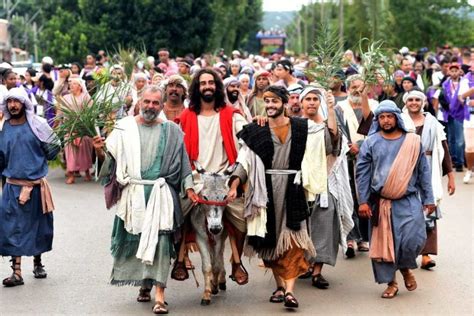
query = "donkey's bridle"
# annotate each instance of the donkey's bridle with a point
(211, 202)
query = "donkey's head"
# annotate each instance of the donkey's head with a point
(214, 194)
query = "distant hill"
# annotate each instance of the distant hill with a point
(277, 19)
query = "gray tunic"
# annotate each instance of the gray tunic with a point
(324, 223)
(285, 236)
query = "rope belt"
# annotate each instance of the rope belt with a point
(286, 172)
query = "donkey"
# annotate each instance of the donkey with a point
(207, 220)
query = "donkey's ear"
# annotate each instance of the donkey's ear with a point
(198, 166)
(230, 169)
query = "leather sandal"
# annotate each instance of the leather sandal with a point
(160, 308)
(278, 298)
(427, 263)
(391, 291)
(363, 246)
(350, 252)
(38, 271)
(179, 272)
(239, 274)
(409, 278)
(320, 282)
(290, 300)
(16, 278)
(144, 295)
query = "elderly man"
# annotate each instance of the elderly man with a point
(26, 219)
(394, 188)
(149, 162)
(435, 146)
(255, 100)
(176, 91)
(351, 113)
(235, 97)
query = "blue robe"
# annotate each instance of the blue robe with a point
(408, 224)
(24, 229)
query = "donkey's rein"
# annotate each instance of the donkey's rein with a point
(211, 202)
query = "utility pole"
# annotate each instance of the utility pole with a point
(35, 40)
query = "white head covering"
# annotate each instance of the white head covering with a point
(138, 76)
(47, 60)
(414, 93)
(38, 125)
(77, 79)
(230, 80)
(322, 99)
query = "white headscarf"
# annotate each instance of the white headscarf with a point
(38, 125)
(322, 98)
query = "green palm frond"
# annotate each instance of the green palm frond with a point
(326, 59)
(377, 62)
(83, 120)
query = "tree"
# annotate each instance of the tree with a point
(71, 28)
(411, 23)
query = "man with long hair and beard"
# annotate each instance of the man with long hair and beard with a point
(210, 127)
(279, 162)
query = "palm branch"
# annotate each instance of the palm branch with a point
(326, 59)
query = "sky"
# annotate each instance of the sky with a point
(283, 5)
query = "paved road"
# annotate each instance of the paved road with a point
(79, 268)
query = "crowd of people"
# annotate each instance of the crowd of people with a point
(312, 170)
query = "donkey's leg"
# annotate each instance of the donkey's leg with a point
(222, 275)
(203, 244)
(217, 259)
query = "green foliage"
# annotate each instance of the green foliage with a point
(128, 58)
(377, 62)
(76, 121)
(326, 58)
(411, 23)
(73, 28)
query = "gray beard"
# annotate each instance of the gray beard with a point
(354, 99)
(149, 116)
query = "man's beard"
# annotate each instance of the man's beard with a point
(233, 96)
(19, 115)
(295, 109)
(279, 111)
(149, 115)
(354, 99)
(208, 97)
(389, 130)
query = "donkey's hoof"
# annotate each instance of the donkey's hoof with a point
(215, 290)
(205, 302)
(222, 286)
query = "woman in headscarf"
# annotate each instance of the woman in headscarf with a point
(79, 152)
